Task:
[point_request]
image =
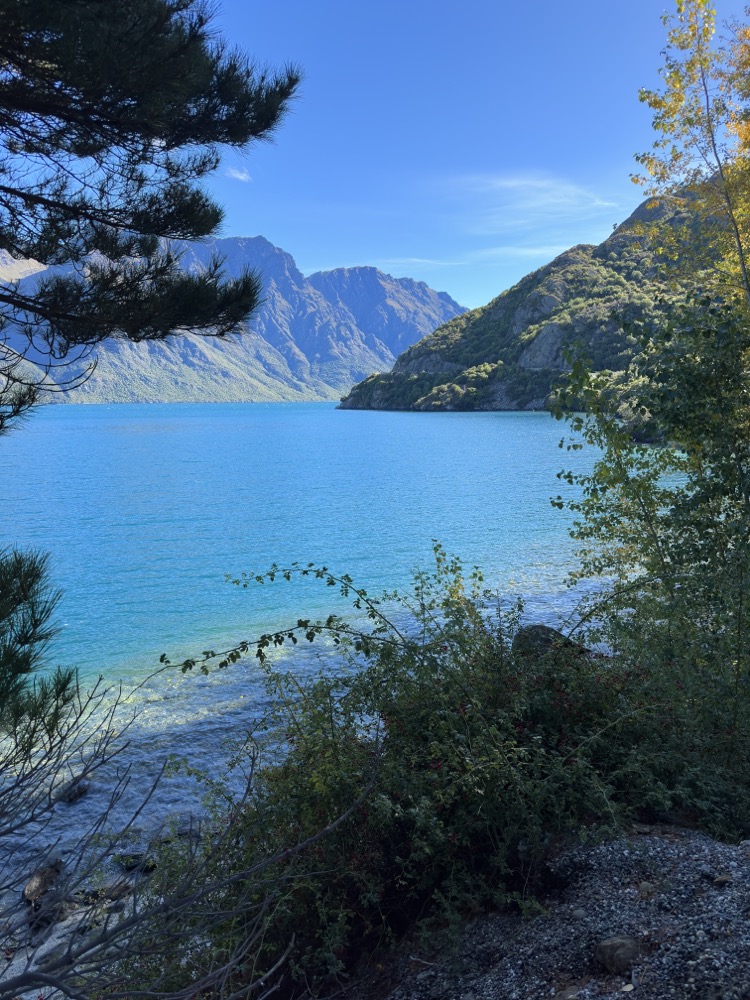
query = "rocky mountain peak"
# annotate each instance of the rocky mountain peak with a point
(312, 338)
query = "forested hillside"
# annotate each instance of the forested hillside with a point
(508, 354)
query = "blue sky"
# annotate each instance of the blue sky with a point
(463, 145)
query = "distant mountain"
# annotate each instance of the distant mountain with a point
(311, 339)
(507, 355)
(12, 269)
(388, 308)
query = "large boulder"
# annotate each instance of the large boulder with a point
(617, 954)
(536, 641)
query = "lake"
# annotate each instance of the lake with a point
(145, 509)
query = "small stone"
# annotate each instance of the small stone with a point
(617, 954)
(73, 790)
(540, 641)
(42, 881)
(628, 989)
(117, 890)
(41, 897)
(57, 955)
(135, 861)
(87, 897)
(567, 994)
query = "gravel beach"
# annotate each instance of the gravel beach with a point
(661, 912)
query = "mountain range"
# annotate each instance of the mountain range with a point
(508, 354)
(311, 339)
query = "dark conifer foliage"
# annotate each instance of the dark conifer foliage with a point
(111, 114)
(27, 603)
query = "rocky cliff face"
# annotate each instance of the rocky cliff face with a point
(387, 308)
(509, 353)
(311, 339)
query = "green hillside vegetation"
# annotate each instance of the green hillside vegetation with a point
(509, 354)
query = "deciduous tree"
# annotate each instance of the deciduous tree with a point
(664, 526)
(700, 158)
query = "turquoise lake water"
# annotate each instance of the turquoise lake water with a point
(144, 509)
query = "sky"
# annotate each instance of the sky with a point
(461, 144)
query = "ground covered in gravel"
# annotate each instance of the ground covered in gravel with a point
(661, 912)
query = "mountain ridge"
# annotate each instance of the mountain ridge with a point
(311, 339)
(508, 354)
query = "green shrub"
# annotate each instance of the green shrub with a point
(442, 768)
(429, 771)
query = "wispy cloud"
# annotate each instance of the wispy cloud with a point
(480, 233)
(495, 204)
(238, 175)
(537, 188)
(512, 251)
(470, 258)
(467, 259)
(397, 263)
